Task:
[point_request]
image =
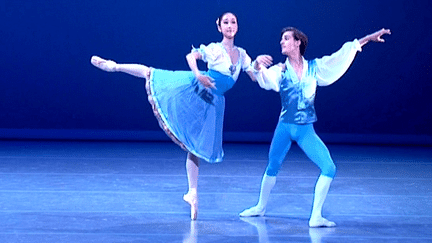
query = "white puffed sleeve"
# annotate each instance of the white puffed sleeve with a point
(246, 60)
(211, 53)
(331, 68)
(269, 79)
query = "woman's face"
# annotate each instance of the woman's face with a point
(228, 25)
(289, 44)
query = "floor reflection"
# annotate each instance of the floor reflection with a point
(192, 235)
(317, 234)
(260, 225)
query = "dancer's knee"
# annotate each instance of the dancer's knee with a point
(272, 170)
(329, 170)
(194, 159)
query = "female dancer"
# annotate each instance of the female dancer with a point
(190, 105)
(296, 81)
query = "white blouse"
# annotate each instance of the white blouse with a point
(329, 68)
(217, 59)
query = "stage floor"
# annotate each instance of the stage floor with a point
(83, 191)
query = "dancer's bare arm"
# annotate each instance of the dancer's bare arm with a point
(375, 37)
(192, 62)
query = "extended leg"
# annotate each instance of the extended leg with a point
(279, 147)
(316, 150)
(136, 70)
(191, 197)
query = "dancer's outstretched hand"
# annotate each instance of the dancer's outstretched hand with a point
(377, 36)
(106, 65)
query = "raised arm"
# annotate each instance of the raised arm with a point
(375, 37)
(331, 68)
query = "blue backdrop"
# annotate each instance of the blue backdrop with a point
(48, 85)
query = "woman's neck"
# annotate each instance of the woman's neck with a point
(228, 43)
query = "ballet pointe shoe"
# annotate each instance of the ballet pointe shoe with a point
(253, 212)
(192, 200)
(321, 222)
(106, 65)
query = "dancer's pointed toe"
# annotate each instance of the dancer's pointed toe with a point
(192, 200)
(106, 65)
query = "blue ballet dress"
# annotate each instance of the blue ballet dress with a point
(190, 114)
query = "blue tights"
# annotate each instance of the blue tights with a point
(307, 140)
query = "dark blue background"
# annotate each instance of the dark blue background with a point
(48, 83)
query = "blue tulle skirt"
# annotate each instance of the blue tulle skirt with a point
(191, 115)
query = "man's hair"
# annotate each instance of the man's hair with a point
(298, 35)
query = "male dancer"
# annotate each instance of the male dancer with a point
(296, 81)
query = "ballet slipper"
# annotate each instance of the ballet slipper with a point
(253, 212)
(321, 222)
(106, 65)
(192, 199)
